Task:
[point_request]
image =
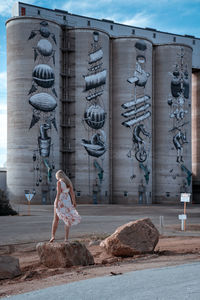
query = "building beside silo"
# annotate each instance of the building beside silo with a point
(109, 104)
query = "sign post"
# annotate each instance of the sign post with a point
(29, 197)
(185, 197)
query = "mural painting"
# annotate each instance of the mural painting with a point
(138, 111)
(42, 98)
(95, 115)
(179, 109)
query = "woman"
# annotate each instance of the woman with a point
(64, 205)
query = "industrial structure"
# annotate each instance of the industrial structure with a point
(109, 104)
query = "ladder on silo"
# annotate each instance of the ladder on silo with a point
(68, 103)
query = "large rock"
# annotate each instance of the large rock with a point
(136, 237)
(9, 267)
(56, 255)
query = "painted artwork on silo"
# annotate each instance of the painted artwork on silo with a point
(95, 115)
(179, 105)
(42, 98)
(172, 90)
(133, 89)
(91, 92)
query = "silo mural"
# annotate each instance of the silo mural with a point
(43, 100)
(132, 88)
(113, 112)
(91, 91)
(173, 118)
(95, 115)
(137, 110)
(179, 105)
(33, 115)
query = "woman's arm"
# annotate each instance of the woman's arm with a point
(58, 194)
(72, 194)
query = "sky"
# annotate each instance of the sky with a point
(175, 16)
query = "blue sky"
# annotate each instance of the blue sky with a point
(176, 16)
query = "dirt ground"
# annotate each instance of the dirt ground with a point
(171, 250)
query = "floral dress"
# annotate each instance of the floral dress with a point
(65, 210)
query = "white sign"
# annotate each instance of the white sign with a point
(185, 197)
(182, 217)
(29, 196)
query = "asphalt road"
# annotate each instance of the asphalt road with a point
(96, 219)
(171, 283)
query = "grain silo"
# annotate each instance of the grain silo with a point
(172, 121)
(33, 56)
(195, 136)
(132, 120)
(86, 154)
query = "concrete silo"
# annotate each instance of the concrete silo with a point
(88, 109)
(33, 67)
(132, 120)
(196, 136)
(172, 121)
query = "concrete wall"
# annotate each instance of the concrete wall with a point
(172, 117)
(21, 60)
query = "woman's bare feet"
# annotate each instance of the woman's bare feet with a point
(52, 239)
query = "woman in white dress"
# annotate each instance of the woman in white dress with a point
(64, 205)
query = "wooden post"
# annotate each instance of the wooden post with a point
(184, 214)
(29, 205)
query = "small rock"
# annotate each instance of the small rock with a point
(111, 260)
(9, 267)
(135, 237)
(56, 255)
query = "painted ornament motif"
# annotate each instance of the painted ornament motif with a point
(138, 111)
(179, 108)
(42, 98)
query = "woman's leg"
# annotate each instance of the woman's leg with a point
(66, 232)
(54, 226)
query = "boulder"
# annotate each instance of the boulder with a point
(63, 255)
(133, 238)
(9, 267)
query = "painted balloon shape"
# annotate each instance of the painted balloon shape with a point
(44, 31)
(43, 101)
(45, 47)
(43, 75)
(141, 45)
(95, 116)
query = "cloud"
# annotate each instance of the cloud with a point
(140, 19)
(6, 7)
(3, 80)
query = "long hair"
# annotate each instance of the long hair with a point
(61, 175)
